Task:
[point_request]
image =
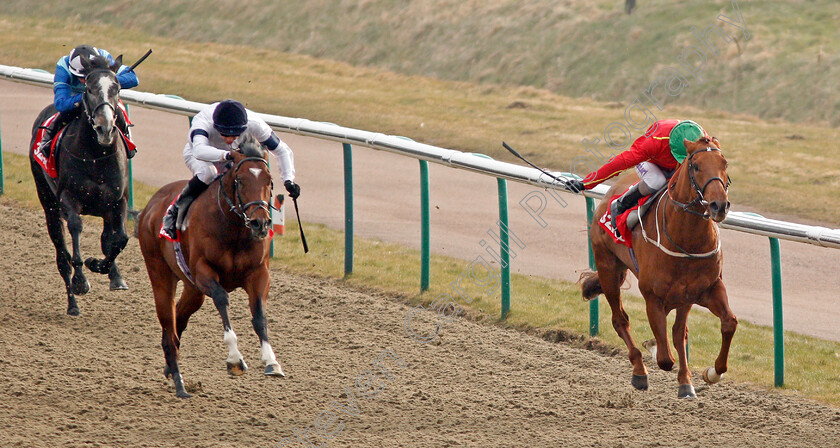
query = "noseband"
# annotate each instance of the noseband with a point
(239, 208)
(698, 199)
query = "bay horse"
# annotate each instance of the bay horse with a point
(92, 180)
(682, 270)
(225, 246)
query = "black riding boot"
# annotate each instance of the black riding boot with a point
(122, 123)
(174, 217)
(63, 119)
(626, 201)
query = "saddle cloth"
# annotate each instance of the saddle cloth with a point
(47, 163)
(629, 219)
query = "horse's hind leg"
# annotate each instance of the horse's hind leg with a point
(680, 335)
(718, 304)
(257, 290)
(658, 324)
(163, 287)
(611, 273)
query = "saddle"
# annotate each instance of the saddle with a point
(628, 220)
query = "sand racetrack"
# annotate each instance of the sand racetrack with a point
(96, 380)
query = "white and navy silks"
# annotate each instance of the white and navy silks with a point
(206, 150)
(68, 88)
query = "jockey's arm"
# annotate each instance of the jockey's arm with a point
(638, 153)
(282, 154)
(202, 150)
(65, 100)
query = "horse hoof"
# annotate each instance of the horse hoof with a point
(80, 288)
(182, 394)
(711, 376)
(686, 391)
(274, 370)
(640, 382)
(73, 311)
(118, 284)
(236, 369)
(96, 266)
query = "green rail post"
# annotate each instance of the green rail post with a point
(778, 325)
(504, 241)
(593, 304)
(348, 209)
(504, 246)
(425, 232)
(2, 174)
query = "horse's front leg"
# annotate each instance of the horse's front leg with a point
(208, 283)
(257, 289)
(80, 285)
(717, 302)
(680, 336)
(62, 258)
(112, 241)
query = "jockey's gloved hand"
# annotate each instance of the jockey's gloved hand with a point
(229, 156)
(576, 185)
(292, 188)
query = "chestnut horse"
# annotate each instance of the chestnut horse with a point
(225, 246)
(675, 272)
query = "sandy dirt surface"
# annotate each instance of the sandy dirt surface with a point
(96, 380)
(464, 208)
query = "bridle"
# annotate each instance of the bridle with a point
(90, 112)
(239, 208)
(698, 199)
(687, 207)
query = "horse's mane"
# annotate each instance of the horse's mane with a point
(250, 147)
(99, 62)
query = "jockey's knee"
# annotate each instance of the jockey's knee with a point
(206, 174)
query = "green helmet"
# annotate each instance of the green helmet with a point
(684, 130)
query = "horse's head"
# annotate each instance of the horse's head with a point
(101, 97)
(706, 169)
(252, 186)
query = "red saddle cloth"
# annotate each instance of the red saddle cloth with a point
(47, 163)
(621, 222)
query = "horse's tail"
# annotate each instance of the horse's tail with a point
(590, 285)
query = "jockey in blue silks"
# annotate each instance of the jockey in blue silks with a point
(69, 85)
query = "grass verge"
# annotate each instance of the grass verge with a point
(552, 309)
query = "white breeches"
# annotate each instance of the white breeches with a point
(205, 171)
(652, 177)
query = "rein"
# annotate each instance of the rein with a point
(238, 208)
(687, 207)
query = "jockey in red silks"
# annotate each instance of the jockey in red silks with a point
(69, 84)
(656, 155)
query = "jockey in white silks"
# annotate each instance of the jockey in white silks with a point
(215, 131)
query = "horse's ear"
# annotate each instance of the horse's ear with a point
(689, 145)
(117, 63)
(716, 142)
(86, 64)
(237, 156)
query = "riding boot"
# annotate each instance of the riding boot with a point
(174, 218)
(122, 124)
(63, 119)
(626, 201)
